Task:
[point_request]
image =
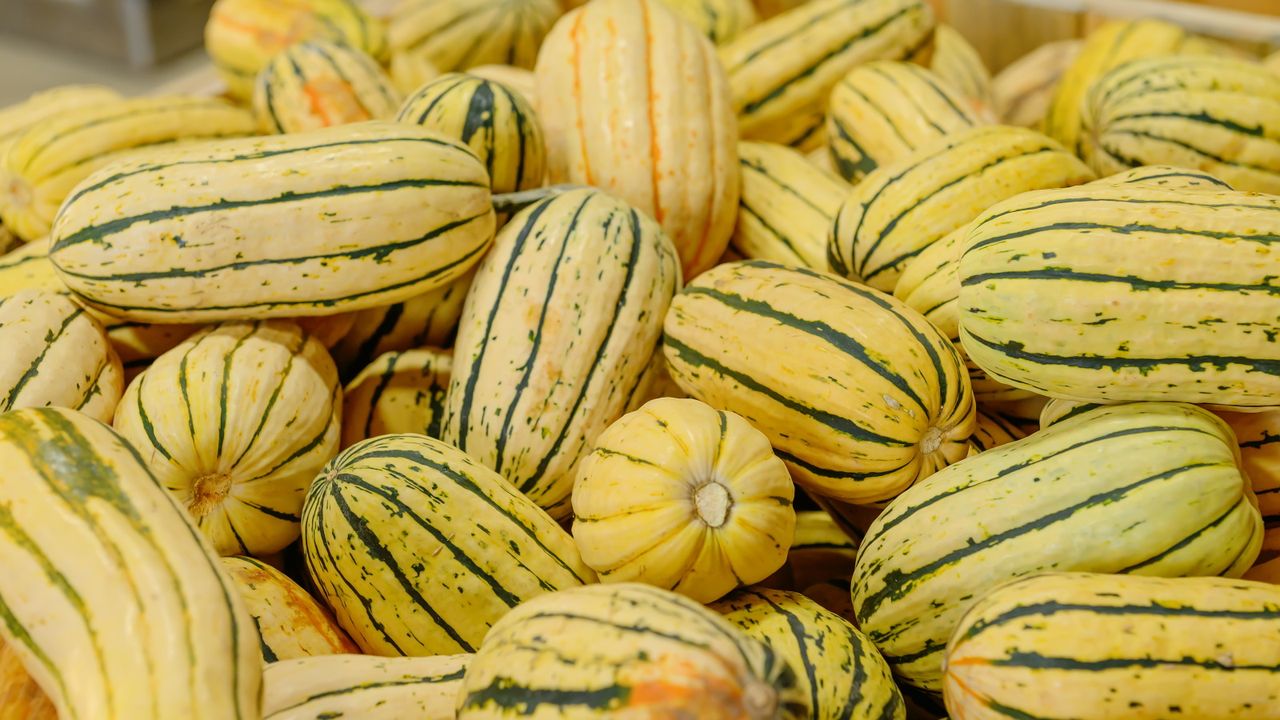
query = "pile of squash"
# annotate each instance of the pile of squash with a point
(644, 359)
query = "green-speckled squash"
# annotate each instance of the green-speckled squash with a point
(786, 206)
(364, 687)
(457, 34)
(290, 623)
(318, 84)
(399, 392)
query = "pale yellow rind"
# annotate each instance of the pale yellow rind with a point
(720, 20)
(786, 207)
(364, 687)
(318, 84)
(1023, 90)
(399, 392)
(454, 35)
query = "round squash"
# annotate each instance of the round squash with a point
(291, 624)
(317, 84)
(457, 34)
(236, 421)
(685, 497)
(400, 392)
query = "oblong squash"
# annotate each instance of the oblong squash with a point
(634, 102)
(48, 104)
(400, 392)
(903, 208)
(1136, 648)
(720, 20)
(459, 547)
(55, 353)
(683, 497)
(958, 63)
(339, 219)
(454, 35)
(786, 207)
(319, 83)
(625, 650)
(859, 395)
(835, 665)
(363, 686)
(112, 600)
(1145, 488)
(556, 334)
(1024, 89)
(291, 624)
(235, 422)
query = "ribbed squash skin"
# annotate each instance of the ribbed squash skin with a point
(282, 233)
(242, 36)
(20, 697)
(43, 106)
(458, 34)
(1136, 648)
(883, 111)
(786, 207)
(496, 123)
(55, 353)
(236, 421)
(621, 651)
(902, 208)
(683, 497)
(319, 83)
(364, 687)
(556, 334)
(960, 66)
(291, 624)
(419, 550)
(835, 665)
(1219, 115)
(993, 430)
(112, 599)
(782, 69)
(1043, 274)
(1146, 488)
(859, 395)
(634, 102)
(517, 79)
(720, 20)
(46, 162)
(1023, 90)
(400, 392)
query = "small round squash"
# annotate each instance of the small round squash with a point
(685, 497)
(291, 624)
(400, 392)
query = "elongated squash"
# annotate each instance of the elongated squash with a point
(364, 687)
(720, 20)
(1145, 488)
(338, 219)
(786, 207)
(400, 392)
(859, 395)
(290, 623)
(48, 104)
(901, 209)
(883, 111)
(112, 600)
(1219, 115)
(625, 650)
(555, 337)
(1038, 294)
(782, 69)
(54, 353)
(1024, 89)
(835, 665)
(20, 697)
(457, 34)
(684, 497)
(319, 83)
(419, 550)
(1136, 648)
(236, 421)
(958, 63)
(48, 160)
(633, 102)
(242, 36)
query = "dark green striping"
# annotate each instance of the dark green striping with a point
(1037, 661)
(10, 263)
(1127, 229)
(524, 129)
(226, 381)
(1187, 145)
(816, 124)
(927, 78)
(341, 72)
(1232, 511)
(268, 655)
(367, 351)
(268, 89)
(850, 170)
(1137, 283)
(506, 693)
(883, 113)
(311, 444)
(270, 512)
(1266, 439)
(384, 380)
(660, 602)
(430, 90)
(772, 230)
(94, 387)
(762, 170)
(282, 377)
(1190, 174)
(1011, 712)
(479, 116)
(145, 420)
(1079, 409)
(1202, 117)
(610, 452)
(801, 636)
(378, 685)
(33, 368)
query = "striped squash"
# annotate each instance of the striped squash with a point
(410, 71)
(1146, 488)
(112, 600)
(27, 267)
(20, 697)
(625, 650)
(884, 111)
(1023, 414)
(1220, 115)
(495, 122)
(516, 79)
(993, 430)
(634, 102)
(684, 497)
(835, 665)
(235, 422)
(458, 34)
(1023, 90)
(419, 550)
(786, 207)
(901, 209)
(960, 66)
(339, 219)
(555, 337)
(47, 105)
(290, 623)
(1118, 648)
(720, 20)
(400, 392)
(1038, 299)
(859, 395)
(56, 354)
(242, 36)
(320, 83)
(364, 687)
(45, 163)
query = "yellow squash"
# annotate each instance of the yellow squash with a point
(959, 64)
(993, 430)
(364, 687)
(319, 83)
(720, 20)
(291, 624)
(399, 392)
(455, 35)
(1024, 89)
(786, 207)
(517, 79)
